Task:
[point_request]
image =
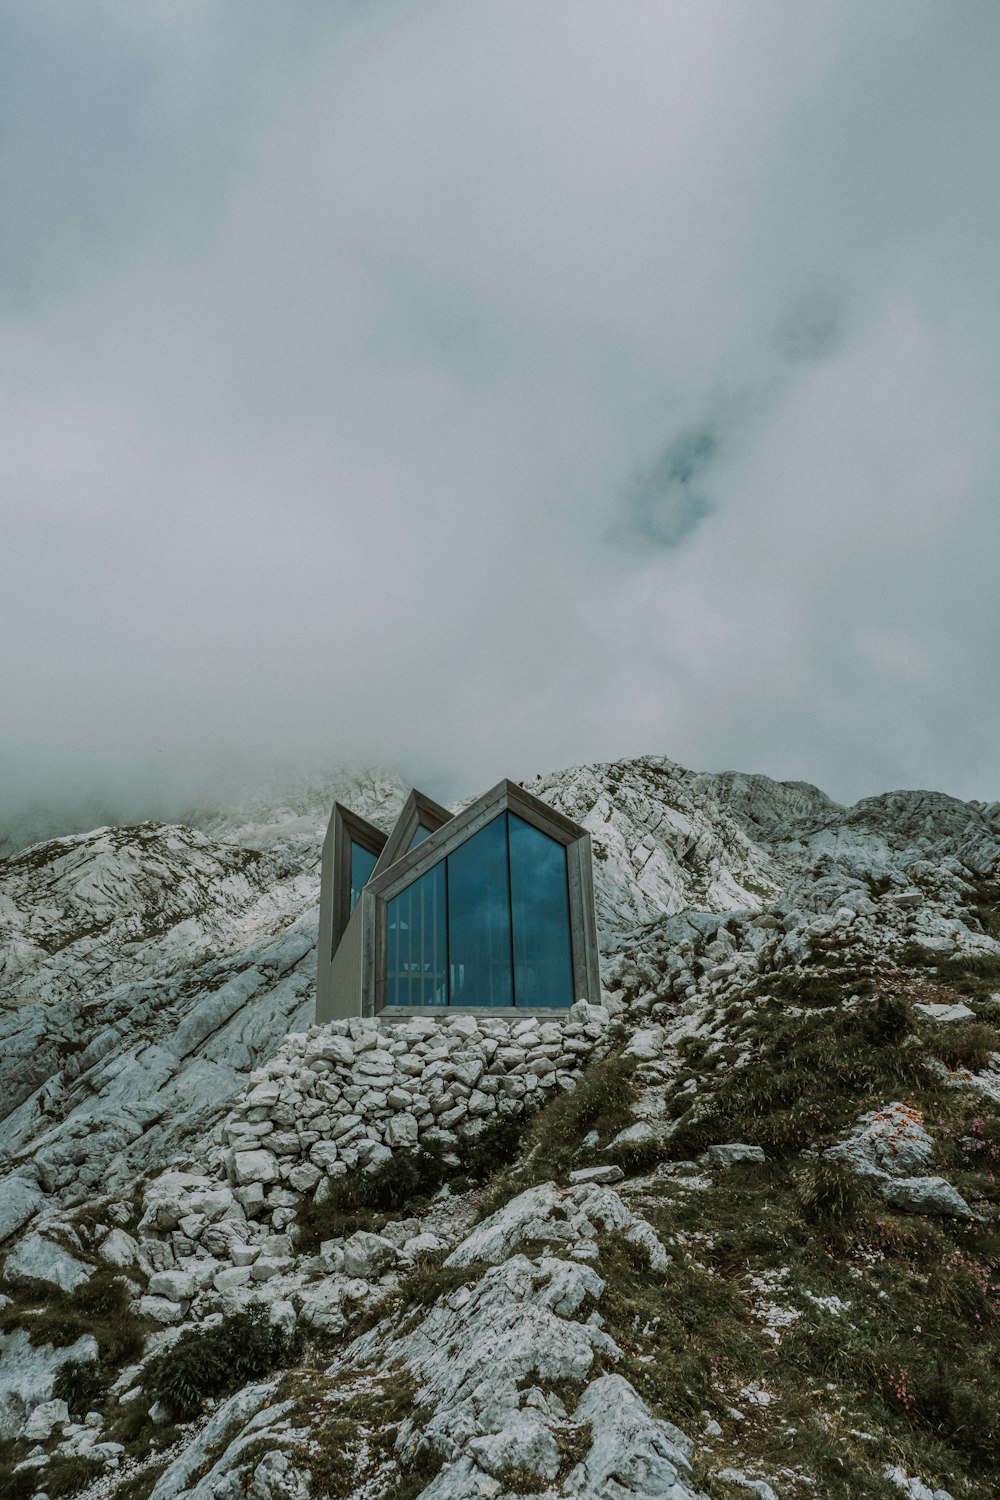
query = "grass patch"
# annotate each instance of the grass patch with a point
(353, 1432)
(365, 1200)
(814, 991)
(140, 1486)
(602, 1104)
(974, 976)
(68, 1476)
(676, 1328)
(215, 1361)
(964, 1044)
(101, 1306)
(807, 1077)
(522, 1481)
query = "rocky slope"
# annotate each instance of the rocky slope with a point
(575, 1259)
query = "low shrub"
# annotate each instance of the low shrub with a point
(66, 1477)
(496, 1147)
(83, 1385)
(15, 1486)
(831, 1196)
(215, 1361)
(364, 1200)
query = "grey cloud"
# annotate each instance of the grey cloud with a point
(667, 503)
(330, 335)
(812, 328)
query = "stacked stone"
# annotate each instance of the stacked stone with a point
(346, 1095)
(338, 1098)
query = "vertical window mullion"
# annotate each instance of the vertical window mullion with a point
(447, 937)
(510, 914)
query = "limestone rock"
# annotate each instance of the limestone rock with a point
(957, 1012)
(44, 1420)
(19, 1201)
(160, 1309)
(633, 1455)
(254, 1167)
(27, 1373)
(120, 1249)
(597, 1174)
(728, 1156)
(525, 1444)
(368, 1255)
(889, 1140)
(177, 1286)
(926, 1195)
(39, 1259)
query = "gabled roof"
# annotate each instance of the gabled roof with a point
(505, 796)
(347, 827)
(418, 811)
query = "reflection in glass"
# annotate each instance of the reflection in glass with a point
(479, 919)
(539, 898)
(420, 834)
(417, 959)
(362, 865)
(489, 925)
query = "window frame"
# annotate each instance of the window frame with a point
(506, 796)
(417, 809)
(347, 829)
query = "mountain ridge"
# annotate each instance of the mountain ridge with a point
(156, 994)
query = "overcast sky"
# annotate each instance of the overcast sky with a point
(480, 388)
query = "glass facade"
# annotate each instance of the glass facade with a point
(416, 968)
(362, 865)
(539, 903)
(479, 964)
(489, 925)
(419, 835)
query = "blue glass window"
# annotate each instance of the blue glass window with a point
(362, 865)
(479, 919)
(539, 899)
(488, 925)
(420, 834)
(417, 972)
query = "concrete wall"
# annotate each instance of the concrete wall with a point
(342, 996)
